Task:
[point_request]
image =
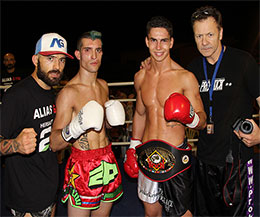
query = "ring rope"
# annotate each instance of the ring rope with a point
(131, 100)
(126, 100)
(121, 83)
(112, 84)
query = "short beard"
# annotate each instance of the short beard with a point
(10, 66)
(44, 76)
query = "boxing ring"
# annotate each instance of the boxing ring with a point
(191, 134)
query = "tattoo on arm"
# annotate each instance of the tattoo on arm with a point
(173, 124)
(83, 142)
(8, 146)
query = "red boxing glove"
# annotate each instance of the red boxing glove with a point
(178, 108)
(130, 163)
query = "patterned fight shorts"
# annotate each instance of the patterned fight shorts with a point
(92, 176)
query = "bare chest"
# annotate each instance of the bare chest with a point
(155, 91)
(86, 94)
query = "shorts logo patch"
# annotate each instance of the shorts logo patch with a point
(104, 174)
(71, 188)
(73, 176)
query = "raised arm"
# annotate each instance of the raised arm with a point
(191, 91)
(24, 143)
(64, 109)
(68, 126)
(130, 163)
(140, 113)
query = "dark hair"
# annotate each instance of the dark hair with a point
(159, 22)
(204, 12)
(91, 35)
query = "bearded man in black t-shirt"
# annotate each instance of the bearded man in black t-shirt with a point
(28, 108)
(10, 75)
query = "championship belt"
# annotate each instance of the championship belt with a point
(160, 161)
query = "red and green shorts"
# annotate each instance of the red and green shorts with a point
(92, 176)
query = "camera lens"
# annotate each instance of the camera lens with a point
(246, 127)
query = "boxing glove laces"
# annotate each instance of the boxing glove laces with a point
(90, 116)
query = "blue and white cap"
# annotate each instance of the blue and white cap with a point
(52, 43)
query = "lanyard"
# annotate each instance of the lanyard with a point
(212, 80)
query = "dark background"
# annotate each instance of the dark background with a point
(122, 24)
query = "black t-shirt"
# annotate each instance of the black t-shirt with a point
(236, 86)
(10, 79)
(31, 180)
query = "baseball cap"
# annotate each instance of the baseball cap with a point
(52, 43)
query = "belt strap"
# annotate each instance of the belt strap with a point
(237, 193)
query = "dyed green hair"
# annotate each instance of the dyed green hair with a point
(93, 35)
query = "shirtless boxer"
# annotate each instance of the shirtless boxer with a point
(92, 177)
(162, 112)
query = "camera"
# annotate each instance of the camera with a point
(244, 126)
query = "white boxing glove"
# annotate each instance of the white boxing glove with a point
(115, 113)
(90, 116)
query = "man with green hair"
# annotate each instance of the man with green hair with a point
(92, 177)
